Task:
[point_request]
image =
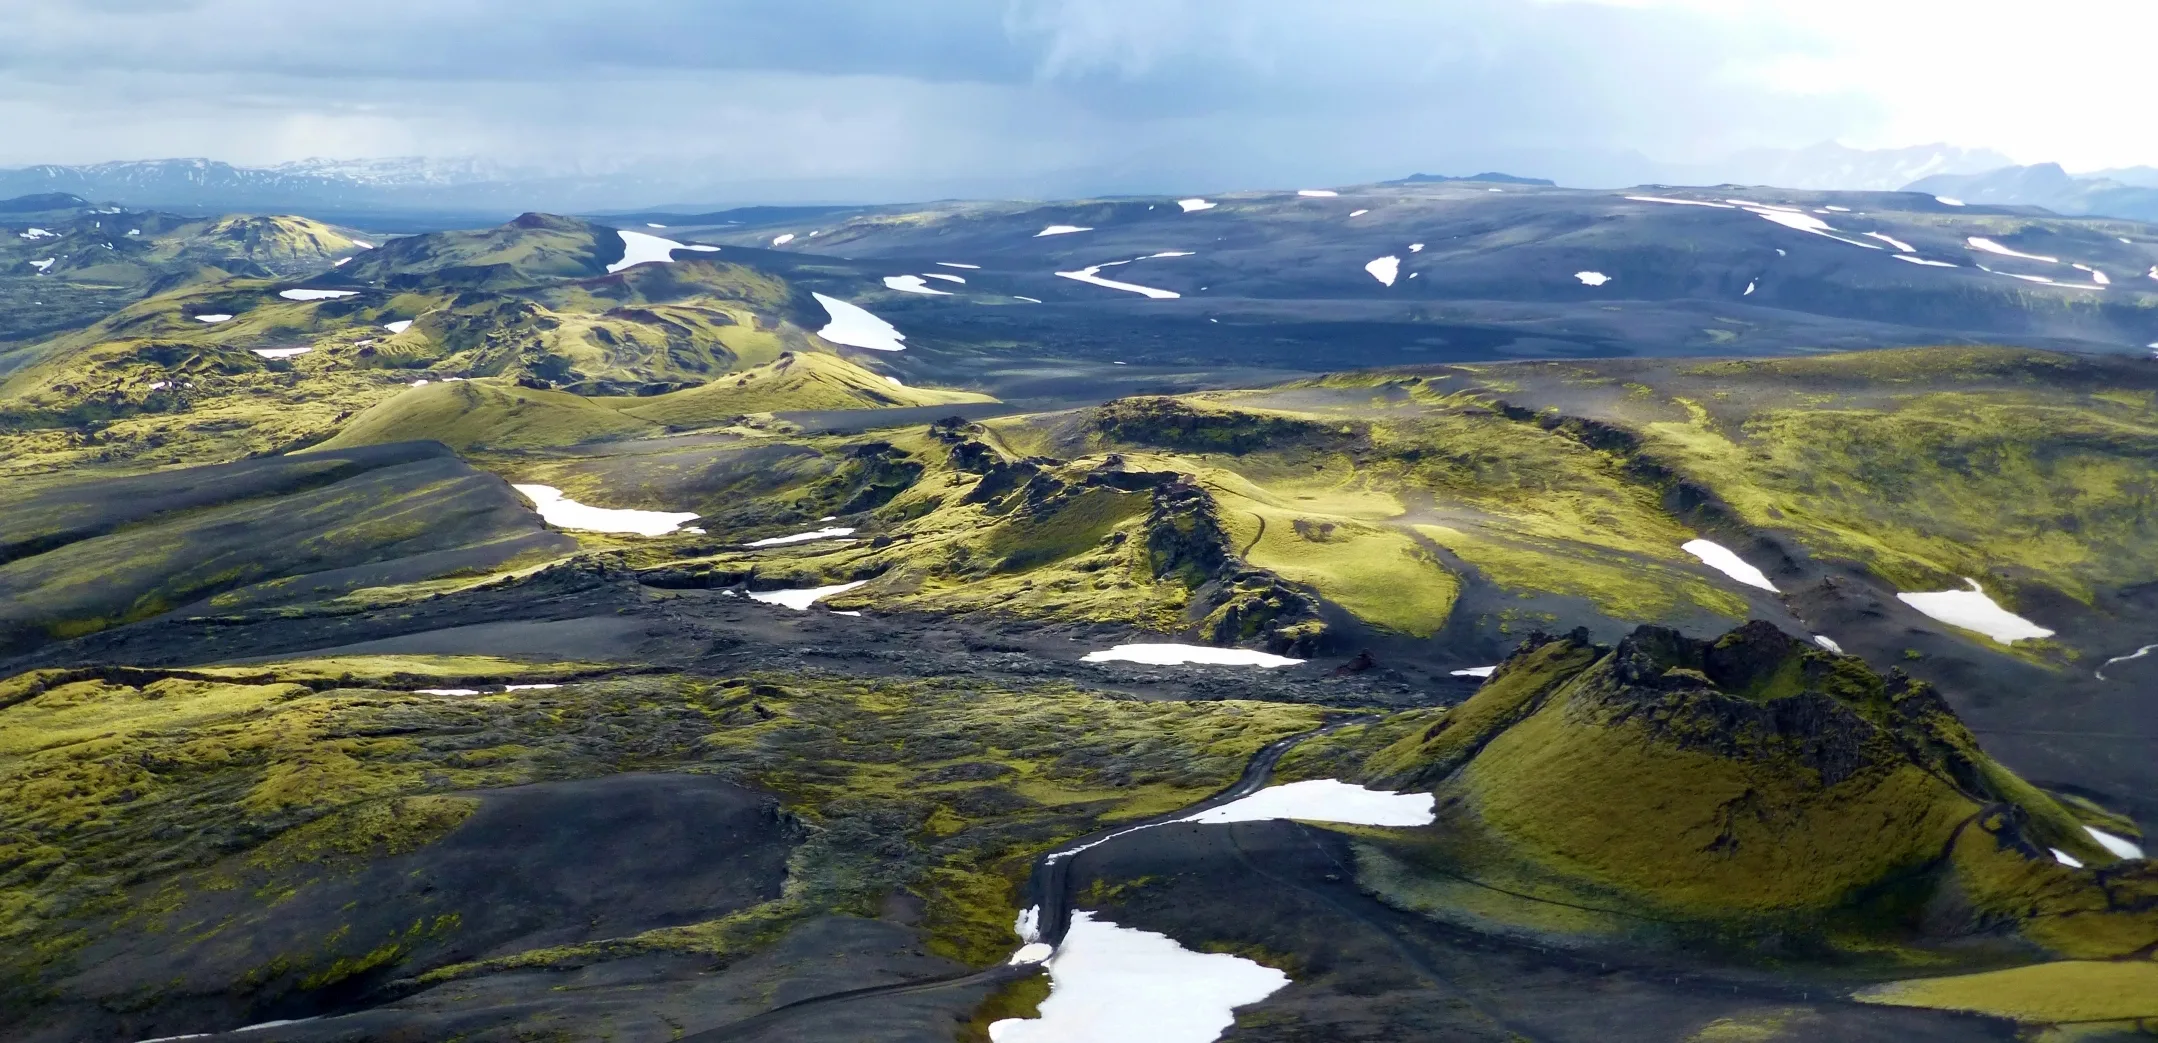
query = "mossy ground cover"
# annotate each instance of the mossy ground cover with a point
(2048, 993)
(941, 789)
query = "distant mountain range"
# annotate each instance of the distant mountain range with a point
(2131, 193)
(337, 187)
(453, 192)
(1834, 167)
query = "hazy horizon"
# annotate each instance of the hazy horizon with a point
(987, 98)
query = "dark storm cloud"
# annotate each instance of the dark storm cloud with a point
(878, 99)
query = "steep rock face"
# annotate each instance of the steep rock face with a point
(1184, 538)
(1757, 782)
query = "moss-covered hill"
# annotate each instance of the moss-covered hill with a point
(67, 268)
(1748, 787)
(231, 366)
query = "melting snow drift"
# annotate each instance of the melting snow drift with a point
(213, 318)
(1317, 193)
(1722, 559)
(640, 248)
(1180, 655)
(1060, 230)
(1973, 610)
(1111, 983)
(563, 512)
(1592, 278)
(1385, 269)
(1092, 276)
(1195, 205)
(2120, 846)
(801, 537)
(1325, 800)
(913, 284)
(316, 295)
(857, 328)
(280, 353)
(800, 600)
(399, 326)
(1991, 247)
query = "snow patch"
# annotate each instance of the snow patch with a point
(1385, 269)
(562, 512)
(1192, 206)
(1828, 643)
(44, 265)
(2137, 654)
(1893, 241)
(2121, 847)
(1111, 983)
(1749, 289)
(1945, 201)
(1592, 278)
(956, 264)
(280, 353)
(213, 318)
(1092, 276)
(1061, 230)
(1681, 202)
(782, 240)
(800, 600)
(947, 277)
(1837, 209)
(447, 691)
(1169, 654)
(1923, 261)
(1358, 213)
(1031, 953)
(399, 326)
(1724, 560)
(2066, 859)
(529, 687)
(856, 328)
(35, 234)
(316, 295)
(801, 537)
(1317, 193)
(1475, 671)
(1416, 248)
(1804, 222)
(912, 284)
(1973, 610)
(1324, 800)
(1991, 247)
(641, 248)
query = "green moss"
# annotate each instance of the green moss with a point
(791, 382)
(470, 415)
(2068, 991)
(1019, 998)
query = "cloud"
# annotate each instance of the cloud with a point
(743, 99)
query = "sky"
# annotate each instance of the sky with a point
(807, 99)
